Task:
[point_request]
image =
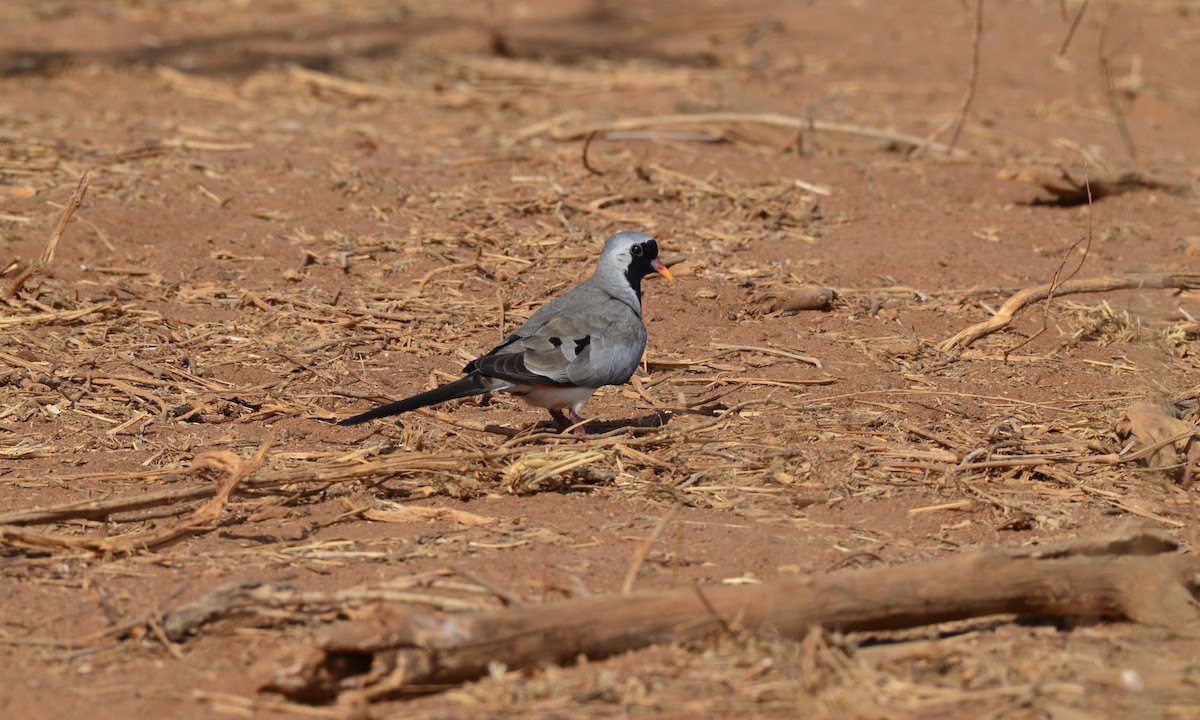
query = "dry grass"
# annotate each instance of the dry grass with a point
(146, 366)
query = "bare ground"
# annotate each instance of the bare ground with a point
(298, 208)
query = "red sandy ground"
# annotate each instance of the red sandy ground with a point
(273, 168)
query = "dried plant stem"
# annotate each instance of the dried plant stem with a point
(231, 470)
(969, 96)
(47, 257)
(587, 143)
(1107, 283)
(1110, 89)
(643, 550)
(554, 130)
(1058, 279)
(1074, 26)
(102, 509)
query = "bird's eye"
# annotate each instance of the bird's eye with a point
(636, 251)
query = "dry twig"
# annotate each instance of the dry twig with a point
(1110, 90)
(47, 257)
(643, 550)
(1074, 26)
(973, 82)
(1108, 283)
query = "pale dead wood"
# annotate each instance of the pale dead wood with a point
(47, 257)
(557, 130)
(507, 74)
(815, 362)
(391, 512)
(1163, 438)
(793, 300)
(101, 509)
(223, 703)
(1134, 575)
(1107, 283)
(252, 602)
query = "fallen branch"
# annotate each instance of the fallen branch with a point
(393, 650)
(1028, 296)
(555, 130)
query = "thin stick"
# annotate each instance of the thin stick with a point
(1074, 26)
(1118, 112)
(1114, 102)
(969, 97)
(1055, 281)
(47, 257)
(232, 470)
(643, 550)
(586, 144)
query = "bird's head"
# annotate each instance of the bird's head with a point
(633, 255)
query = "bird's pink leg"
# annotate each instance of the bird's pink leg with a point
(569, 419)
(577, 421)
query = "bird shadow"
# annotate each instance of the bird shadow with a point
(656, 419)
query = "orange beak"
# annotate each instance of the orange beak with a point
(662, 269)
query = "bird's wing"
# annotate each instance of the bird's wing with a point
(595, 340)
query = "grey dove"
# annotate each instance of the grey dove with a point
(591, 336)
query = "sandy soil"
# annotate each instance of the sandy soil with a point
(298, 208)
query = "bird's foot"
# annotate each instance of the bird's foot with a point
(570, 421)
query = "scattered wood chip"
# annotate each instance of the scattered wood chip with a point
(789, 301)
(1152, 425)
(396, 513)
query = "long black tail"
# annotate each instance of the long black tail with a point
(472, 384)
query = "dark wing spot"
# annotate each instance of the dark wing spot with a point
(556, 342)
(582, 343)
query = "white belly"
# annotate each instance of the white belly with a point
(555, 398)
